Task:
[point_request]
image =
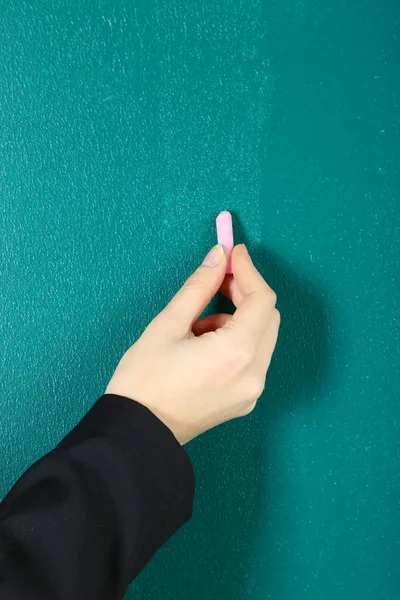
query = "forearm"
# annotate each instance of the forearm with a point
(86, 518)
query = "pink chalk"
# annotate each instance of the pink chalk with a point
(225, 236)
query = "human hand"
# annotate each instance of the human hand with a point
(192, 373)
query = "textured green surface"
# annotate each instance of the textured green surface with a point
(124, 128)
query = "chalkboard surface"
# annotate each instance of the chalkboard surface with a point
(125, 127)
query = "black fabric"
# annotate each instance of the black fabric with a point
(85, 519)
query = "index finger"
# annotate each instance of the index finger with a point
(254, 312)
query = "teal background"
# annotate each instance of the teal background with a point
(124, 128)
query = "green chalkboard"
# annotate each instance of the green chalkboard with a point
(124, 128)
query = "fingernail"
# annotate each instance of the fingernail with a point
(214, 257)
(247, 252)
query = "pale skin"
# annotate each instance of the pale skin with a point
(192, 373)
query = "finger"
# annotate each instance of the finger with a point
(188, 304)
(210, 323)
(231, 290)
(254, 311)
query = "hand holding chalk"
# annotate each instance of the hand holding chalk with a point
(192, 373)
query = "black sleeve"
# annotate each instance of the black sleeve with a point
(85, 519)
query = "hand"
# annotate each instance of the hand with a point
(192, 373)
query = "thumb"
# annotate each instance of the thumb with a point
(195, 294)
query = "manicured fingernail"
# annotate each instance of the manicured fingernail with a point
(214, 257)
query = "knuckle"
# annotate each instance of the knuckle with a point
(254, 387)
(277, 317)
(245, 354)
(268, 296)
(271, 297)
(247, 408)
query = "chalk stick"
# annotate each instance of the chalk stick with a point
(225, 236)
